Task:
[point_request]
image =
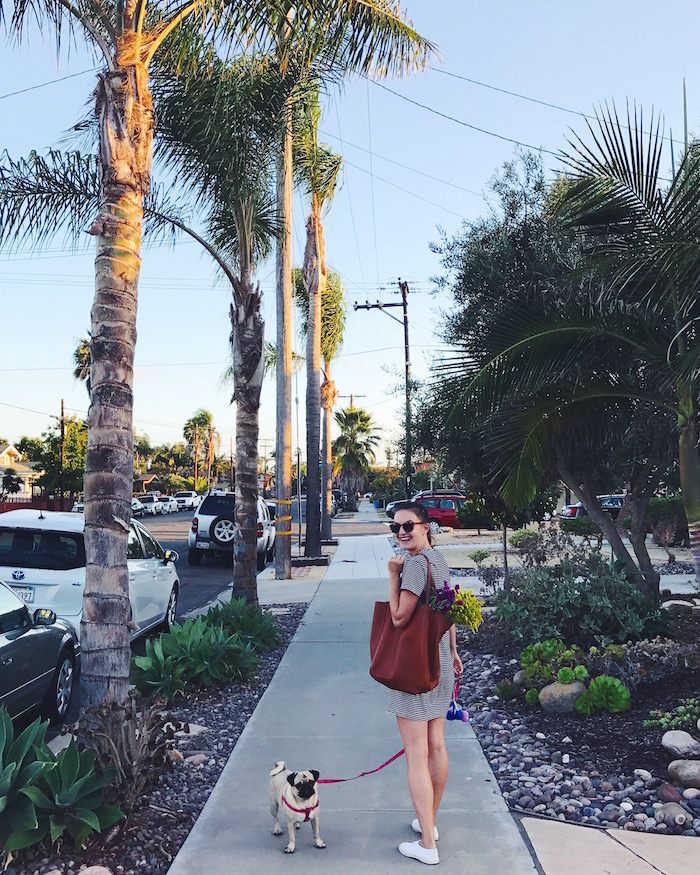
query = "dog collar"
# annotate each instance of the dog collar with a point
(305, 811)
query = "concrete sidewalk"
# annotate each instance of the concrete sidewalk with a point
(322, 710)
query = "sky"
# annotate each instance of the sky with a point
(419, 154)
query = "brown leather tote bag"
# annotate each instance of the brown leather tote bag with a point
(407, 658)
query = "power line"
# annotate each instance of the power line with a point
(44, 84)
(465, 124)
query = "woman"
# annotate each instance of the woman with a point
(421, 718)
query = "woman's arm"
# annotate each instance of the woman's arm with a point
(402, 603)
(456, 660)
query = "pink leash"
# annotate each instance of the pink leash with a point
(362, 774)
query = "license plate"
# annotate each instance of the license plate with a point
(26, 593)
(203, 545)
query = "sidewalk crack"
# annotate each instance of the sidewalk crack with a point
(632, 851)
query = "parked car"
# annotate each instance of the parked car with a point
(187, 500)
(169, 504)
(137, 508)
(151, 504)
(78, 506)
(42, 558)
(44, 655)
(213, 529)
(612, 504)
(441, 504)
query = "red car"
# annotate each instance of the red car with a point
(442, 507)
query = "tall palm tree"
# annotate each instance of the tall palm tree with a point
(126, 37)
(353, 449)
(212, 444)
(333, 314)
(195, 431)
(369, 38)
(316, 168)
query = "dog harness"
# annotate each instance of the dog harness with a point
(305, 811)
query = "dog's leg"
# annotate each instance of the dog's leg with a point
(274, 811)
(316, 826)
(291, 829)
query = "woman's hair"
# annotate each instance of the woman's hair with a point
(420, 511)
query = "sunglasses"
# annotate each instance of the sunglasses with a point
(407, 527)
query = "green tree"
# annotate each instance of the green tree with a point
(81, 362)
(353, 450)
(194, 431)
(10, 484)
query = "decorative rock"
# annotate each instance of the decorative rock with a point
(668, 793)
(681, 745)
(691, 793)
(672, 814)
(559, 698)
(643, 775)
(175, 756)
(519, 678)
(199, 758)
(675, 607)
(566, 740)
(96, 870)
(684, 772)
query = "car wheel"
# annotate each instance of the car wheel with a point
(434, 527)
(260, 562)
(170, 611)
(194, 557)
(59, 694)
(223, 531)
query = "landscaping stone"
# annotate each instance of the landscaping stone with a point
(668, 793)
(559, 698)
(685, 772)
(680, 744)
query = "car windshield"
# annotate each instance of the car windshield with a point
(217, 505)
(39, 549)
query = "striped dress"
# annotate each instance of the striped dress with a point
(434, 703)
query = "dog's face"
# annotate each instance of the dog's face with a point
(304, 783)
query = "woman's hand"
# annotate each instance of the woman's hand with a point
(457, 663)
(395, 566)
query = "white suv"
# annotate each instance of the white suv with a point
(213, 529)
(42, 558)
(187, 500)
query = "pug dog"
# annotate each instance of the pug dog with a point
(295, 793)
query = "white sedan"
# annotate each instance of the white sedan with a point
(169, 504)
(42, 558)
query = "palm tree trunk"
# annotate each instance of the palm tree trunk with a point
(283, 442)
(124, 111)
(247, 332)
(329, 395)
(689, 464)
(315, 281)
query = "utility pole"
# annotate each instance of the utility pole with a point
(403, 288)
(63, 452)
(352, 398)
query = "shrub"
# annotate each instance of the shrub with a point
(132, 739)
(566, 676)
(585, 601)
(249, 621)
(479, 556)
(156, 675)
(684, 715)
(667, 515)
(506, 690)
(584, 527)
(473, 515)
(604, 694)
(532, 696)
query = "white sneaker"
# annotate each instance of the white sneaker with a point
(416, 851)
(416, 828)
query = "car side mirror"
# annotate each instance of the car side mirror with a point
(44, 617)
(170, 556)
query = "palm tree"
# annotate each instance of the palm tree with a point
(369, 38)
(194, 432)
(317, 169)
(126, 37)
(81, 360)
(353, 450)
(332, 328)
(212, 443)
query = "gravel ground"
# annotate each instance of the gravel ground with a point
(158, 827)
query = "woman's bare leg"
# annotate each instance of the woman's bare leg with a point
(438, 763)
(420, 783)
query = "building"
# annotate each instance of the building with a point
(11, 461)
